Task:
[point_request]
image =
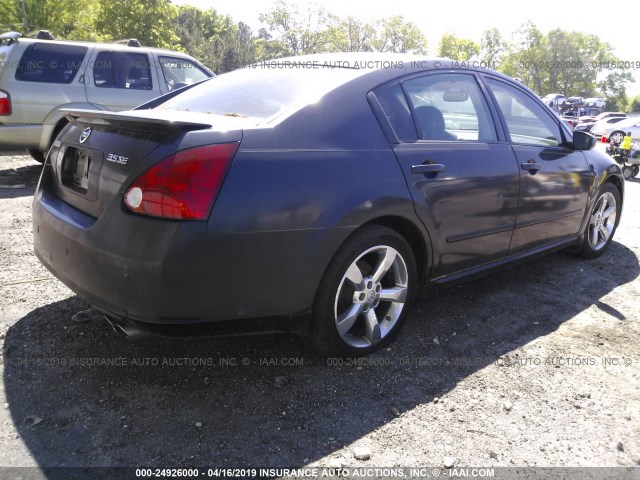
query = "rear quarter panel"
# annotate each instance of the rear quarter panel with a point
(298, 189)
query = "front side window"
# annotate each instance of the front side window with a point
(180, 72)
(50, 63)
(125, 70)
(527, 121)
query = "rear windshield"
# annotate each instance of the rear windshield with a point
(50, 63)
(261, 93)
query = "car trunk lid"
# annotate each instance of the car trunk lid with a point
(101, 153)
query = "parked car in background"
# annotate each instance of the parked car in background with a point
(575, 102)
(618, 130)
(594, 102)
(570, 118)
(40, 77)
(602, 116)
(596, 128)
(314, 195)
(555, 100)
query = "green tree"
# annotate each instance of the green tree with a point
(353, 35)
(398, 35)
(492, 48)
(302, 32)
(69, 20)
(268, 48)
(150, 21)
(571, 63)
(457, 49)
(526, 55)
(214, 39)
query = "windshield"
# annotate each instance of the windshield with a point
(261, 93)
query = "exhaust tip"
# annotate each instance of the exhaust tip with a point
(128, 329)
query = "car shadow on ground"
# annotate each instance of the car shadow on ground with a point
(19, 182)
(264, 401)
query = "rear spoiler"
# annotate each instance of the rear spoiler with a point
(130, 121)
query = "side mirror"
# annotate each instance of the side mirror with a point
(583, 140)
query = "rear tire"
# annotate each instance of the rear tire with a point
(365, 294)
(627, 172)
(42, 156)
(37, 155)
(603, 222)
(636, 170)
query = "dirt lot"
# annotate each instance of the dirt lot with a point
(536, 366)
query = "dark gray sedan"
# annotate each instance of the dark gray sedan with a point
(314, 195)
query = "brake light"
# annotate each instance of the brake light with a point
(184, 185)
(5, 103)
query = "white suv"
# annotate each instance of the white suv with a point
(39, 77)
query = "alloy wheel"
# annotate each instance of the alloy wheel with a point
(371, 296)
(602, 221)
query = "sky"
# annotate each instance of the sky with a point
(469, 18)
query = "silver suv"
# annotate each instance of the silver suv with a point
(38, 77)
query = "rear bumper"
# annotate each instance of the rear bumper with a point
(141, 332)
(23, 136)
(158, 273)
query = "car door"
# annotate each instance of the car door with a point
(121, 80)
(554, 178)
(462, 176)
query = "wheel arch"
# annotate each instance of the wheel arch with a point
(607, 177)
(618, 183)
(417, 238)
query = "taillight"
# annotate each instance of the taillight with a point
(182, 186)
(5, 103)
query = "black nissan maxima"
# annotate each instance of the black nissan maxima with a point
(314, 195)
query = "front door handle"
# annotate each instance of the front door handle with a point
(531, 166)
(427, 168)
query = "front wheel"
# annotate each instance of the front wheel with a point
(627, 172)
(603, 221)
(365, 294)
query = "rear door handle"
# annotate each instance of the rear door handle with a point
(531, 166)
(427, 168)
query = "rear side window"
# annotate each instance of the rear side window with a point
(122, 70)
(438, 107)
(450, 106)
(50, 63)
(180, 72)
(395, 107)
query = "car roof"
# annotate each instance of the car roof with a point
(377, 63)
(110, 46)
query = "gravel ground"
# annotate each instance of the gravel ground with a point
(538, 365)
